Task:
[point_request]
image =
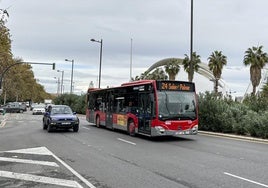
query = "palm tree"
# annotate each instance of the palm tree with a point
(257, 59)
(172, 68)
(186, 65)
(265, 90)
(157, 74)
(216, 61)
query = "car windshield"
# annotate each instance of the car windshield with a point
(61, 110)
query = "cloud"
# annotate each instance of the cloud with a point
(51, 31)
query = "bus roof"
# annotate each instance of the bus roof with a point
(168, 85)
(138, 82)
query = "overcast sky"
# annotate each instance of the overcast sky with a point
(52, 31)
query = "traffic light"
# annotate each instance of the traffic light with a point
(53, 66)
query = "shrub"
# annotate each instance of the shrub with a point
(238, 112)
(76, 102)
(214, 114)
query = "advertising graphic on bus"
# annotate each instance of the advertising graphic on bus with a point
(146, 107)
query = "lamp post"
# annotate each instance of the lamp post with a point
(71, 90)
(58, 85)
(191, 44)
(93, 40)
(62, 73)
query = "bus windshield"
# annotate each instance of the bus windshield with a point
(175, 105)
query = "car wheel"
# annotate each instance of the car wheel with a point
(44, 125)
(76, 128)
(49, 128)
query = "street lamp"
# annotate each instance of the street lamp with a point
(58, 84)
(71, 90)
(93, 40)
(62, 73)
(191, 44)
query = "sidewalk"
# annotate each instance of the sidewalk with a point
(233, 136)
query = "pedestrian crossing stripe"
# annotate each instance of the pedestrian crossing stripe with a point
(43, 179)
(34, 151)
(40, 179)
(46, 163)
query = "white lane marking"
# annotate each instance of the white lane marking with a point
(126, 141)
(35, 151)
(74, 172)
(251, 181)
(45, 151)
(86, 128)
(40, 179)
(47, 163)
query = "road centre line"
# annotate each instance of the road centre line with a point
(126, 141)
(248, 180)
(40, 179)
(47, 163)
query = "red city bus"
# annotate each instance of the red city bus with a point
(147, 107)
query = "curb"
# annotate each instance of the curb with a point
(2, 120)
(235, 136)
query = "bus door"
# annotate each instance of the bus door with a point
(109, 113)
(91, 107)
(144, 115)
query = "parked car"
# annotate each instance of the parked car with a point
(13, 107)
(2, 111)
(32, 106)
(23, 106)
(60, 117)
(39, 109)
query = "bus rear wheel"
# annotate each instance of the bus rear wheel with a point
(131, 128)
(98, 121)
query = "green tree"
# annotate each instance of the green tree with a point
(256, 58)
(195, 62)
(265, 90)
(172, 68)
(77, 103)
(216, 61)
(157, 74)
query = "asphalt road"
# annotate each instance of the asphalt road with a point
(97, 157)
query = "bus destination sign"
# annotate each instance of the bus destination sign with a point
(176, 86)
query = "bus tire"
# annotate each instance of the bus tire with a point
(98, 121)
(131, 128)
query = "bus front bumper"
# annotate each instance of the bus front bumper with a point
(160, 131)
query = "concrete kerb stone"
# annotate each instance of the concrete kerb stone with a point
(234, 136)
(2, 119)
